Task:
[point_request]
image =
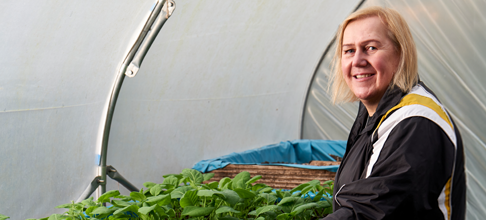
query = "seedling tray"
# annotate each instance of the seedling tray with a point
(278, 177)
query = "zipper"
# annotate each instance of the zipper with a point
(335, 196)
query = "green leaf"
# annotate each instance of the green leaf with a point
(88, 202)
(314, 182)
(120, 203)
(138, 196)
(3, 217)
(258, 200)
(327, 199)
(252, 213)
(230, 196)
(156, 189)
(123, 197)
(183, 181)
(283, 216)
(228, 218)
(160, 200)
(204, 186)
(308, 214)
(254, 179)
(258, 186)
(224, 209)
(170, 212)
(193, 185)
(190, 198)
(328, 190)
(132, 208)
(208, 176)
(64, 206)
(56, 217)
(266, 190)
(213, 185)
(171, 180)
(223, 182)
(146, 210)
(328, 183)
(240, 180)
(149, 185)
(178, 176)
(101, 210)
(260, 218)
(194, 176)
(194, 211)
(90, 210)
(267, 209)
(280, 194)
(168, 192)
(268, 197)
(323, 204)
(299, 187)
(114, 208)
(297, 194)
(229, 185)
(307, 189)
(301, 208)
(107, 195)
(245, 194)
(270, 214)
(288, 201)
(179, 192)
(318, 196)
(205, 193)
(160, 211)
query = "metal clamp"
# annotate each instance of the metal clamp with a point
(149, 33)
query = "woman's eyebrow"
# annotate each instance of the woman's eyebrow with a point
(370, 41)
(363, 43)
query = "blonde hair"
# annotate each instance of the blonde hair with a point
(406, 75)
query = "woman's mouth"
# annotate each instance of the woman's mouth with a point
(363, 76)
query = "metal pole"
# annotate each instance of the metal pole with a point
(152, 31)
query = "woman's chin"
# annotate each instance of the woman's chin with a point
(363, 96)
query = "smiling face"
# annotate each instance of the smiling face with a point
(368, 60)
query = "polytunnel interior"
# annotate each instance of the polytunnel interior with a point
(221, 77)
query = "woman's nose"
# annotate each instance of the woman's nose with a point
(359, 59)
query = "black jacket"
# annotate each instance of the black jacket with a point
(405, 162)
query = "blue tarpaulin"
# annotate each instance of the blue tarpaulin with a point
(287, 153)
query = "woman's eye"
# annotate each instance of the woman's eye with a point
(349, 51)
(371, 48)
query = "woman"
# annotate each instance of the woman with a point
(404, 156)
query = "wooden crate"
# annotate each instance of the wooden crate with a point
(278, 177)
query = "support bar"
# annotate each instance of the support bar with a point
(97, 181)
(162, 17)
(90, 189)
(115, 175)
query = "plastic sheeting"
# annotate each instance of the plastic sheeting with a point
(450, 42)
(221, 77)
(58, 62)
(288, 153)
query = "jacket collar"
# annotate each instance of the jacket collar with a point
(391, 98)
